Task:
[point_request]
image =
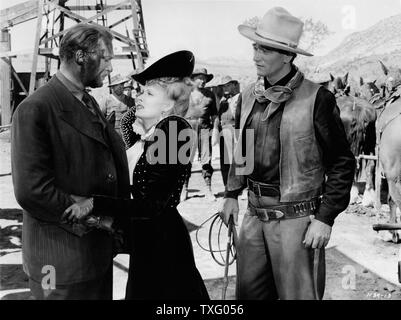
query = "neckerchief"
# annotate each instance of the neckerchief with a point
(275, 94)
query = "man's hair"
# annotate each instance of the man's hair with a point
(83, 37)
(178, 90)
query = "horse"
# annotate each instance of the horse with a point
(358, 117)
(368, 90)
(389, 140)
(339, 85)
(390, 80)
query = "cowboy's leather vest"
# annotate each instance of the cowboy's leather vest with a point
(301, 167)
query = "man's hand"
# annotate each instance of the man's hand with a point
(317, 235)
(230, 208)
(79, 210)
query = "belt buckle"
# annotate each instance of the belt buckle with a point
(279, 214)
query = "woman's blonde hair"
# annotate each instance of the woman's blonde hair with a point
(178, 90)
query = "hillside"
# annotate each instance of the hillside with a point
(360, 52)
(357, 54)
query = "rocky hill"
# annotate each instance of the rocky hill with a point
(360, 52)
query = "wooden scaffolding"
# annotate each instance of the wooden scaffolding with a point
(54, 19)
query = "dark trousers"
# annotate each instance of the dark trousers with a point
(97, 289)
(226, 145)
(272, 261)
(203, 151)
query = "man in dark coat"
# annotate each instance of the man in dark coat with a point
(63, 147)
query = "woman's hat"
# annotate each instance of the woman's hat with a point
(179, 64)
(278, 29)
(202, 71)
(117, 79)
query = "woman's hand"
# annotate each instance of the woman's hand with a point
(79, 210)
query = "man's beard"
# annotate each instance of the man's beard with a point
(90, 74)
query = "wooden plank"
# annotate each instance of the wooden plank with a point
(16, 76)
(136, 34)
(5, 96)
(116, 35)
(18, 14)
(81, 18)
(119, 21)
(36, 47)
(93, 8)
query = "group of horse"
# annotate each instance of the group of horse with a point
(371, 115)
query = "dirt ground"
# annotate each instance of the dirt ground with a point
(361, 264)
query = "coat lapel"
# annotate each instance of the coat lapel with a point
(74, 113)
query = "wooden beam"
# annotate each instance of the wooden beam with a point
(5, 81)
(77, 17)
(16, 76)
(136, 34)
(93, 8)
(119, 21)
(36, 47)
(14, 54)
(18, 14)
(82, 20)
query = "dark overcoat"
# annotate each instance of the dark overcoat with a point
(58, 148)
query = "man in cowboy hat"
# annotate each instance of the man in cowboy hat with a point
(302, 169)
(201, 115)
(116, 103)
(224, 124)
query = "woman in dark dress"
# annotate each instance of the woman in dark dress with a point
(159, 141)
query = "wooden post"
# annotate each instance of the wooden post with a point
(5, 79)
(135, 34)
(36, 47)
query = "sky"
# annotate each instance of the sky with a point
(209, 27)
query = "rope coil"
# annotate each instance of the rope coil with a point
(216, 221)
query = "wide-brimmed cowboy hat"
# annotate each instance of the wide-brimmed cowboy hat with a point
(226, 80)
(278, 29)
(179, 64)
(202, 71)
(117, 79)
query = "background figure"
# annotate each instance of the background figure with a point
(63, 146)
(225, 123)
(201, 115)
(117, 102)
